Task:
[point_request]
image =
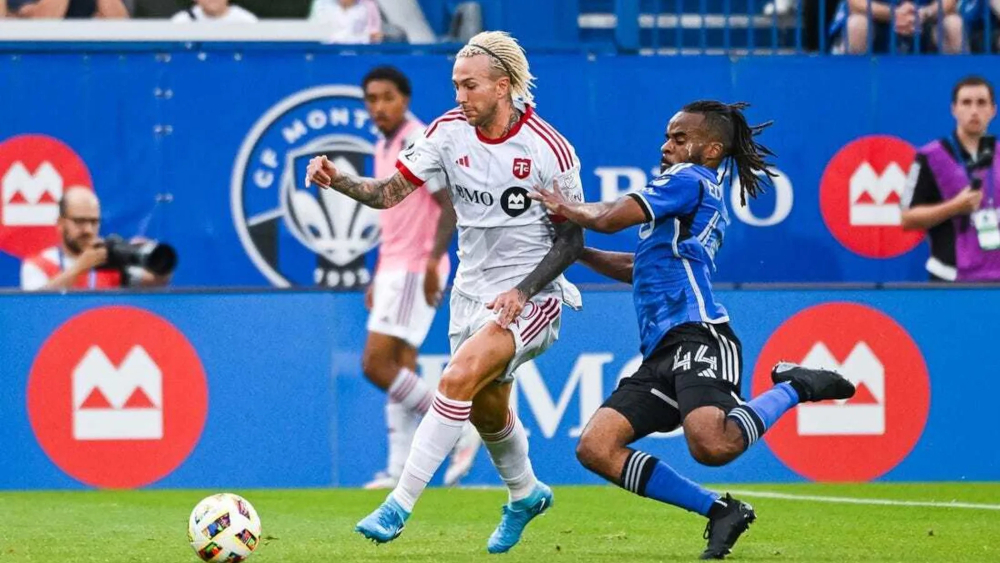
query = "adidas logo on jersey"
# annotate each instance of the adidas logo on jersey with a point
(464, 161)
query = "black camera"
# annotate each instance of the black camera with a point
(156, 257)
(986, 152)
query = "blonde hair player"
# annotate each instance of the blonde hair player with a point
(508, 293)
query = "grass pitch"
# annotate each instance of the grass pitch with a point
(591, 524)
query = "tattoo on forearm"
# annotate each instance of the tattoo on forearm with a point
(565, 250)
(380, 194)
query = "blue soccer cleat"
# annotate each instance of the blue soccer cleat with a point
(516, 516)
(385, 524)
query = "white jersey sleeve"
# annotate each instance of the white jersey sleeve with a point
(422, 160)
(432, 183)
(561, 167)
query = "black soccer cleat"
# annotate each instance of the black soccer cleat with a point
(813, 384)
(727, 527)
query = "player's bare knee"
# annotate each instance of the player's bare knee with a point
(459, 381)
(712, 451)
(593, 452)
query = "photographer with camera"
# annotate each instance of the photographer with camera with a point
(82, 260)
(952, 191)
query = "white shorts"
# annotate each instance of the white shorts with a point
(399, 308)
(535, 330)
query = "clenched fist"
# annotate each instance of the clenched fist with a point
(321, 172)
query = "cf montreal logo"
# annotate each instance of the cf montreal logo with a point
(299, 235)
(515, 201)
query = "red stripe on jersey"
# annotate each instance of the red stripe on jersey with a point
(408, 175)
(453, 115)
(560, 140)
(537, 129)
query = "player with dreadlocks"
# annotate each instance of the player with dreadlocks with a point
(692, 360)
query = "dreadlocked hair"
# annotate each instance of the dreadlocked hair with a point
(727, 122)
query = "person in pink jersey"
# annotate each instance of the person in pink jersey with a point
(412, 271)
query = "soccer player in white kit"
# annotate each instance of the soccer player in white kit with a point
(508, 293)
(412, 271)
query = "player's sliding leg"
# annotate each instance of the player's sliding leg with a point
(390, 364)
(603, 449)
(476, 363)
(716, 437)
(507, 442)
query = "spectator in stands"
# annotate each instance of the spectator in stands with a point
(917, 28)
(76, 262)
(68, 9)
(351, 21)
(214, 11)
(975, 12)
(952, 190)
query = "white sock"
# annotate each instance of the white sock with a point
(402, 423)
(436, 436)
(509, 451)
(411, 391)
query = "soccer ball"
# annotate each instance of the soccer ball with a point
(224, 528)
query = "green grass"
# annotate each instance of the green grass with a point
(451, 525)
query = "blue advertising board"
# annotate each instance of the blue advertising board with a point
(203, 147)
(158, 389)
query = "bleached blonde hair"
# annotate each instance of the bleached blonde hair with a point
(507, 56)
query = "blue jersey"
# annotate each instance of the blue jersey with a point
(675, 258)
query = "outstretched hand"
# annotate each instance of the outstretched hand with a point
(553, 200)
(321, 172)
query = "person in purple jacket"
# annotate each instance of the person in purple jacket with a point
(953, 191)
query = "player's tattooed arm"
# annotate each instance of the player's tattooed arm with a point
(615, 265)
(565, 250)
(380, 194)
(601, 217)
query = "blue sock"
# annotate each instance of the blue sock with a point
(649, 477)
(755, 417)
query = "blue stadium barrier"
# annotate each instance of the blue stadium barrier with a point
(769, 27)
(263, 389)
(166, 136)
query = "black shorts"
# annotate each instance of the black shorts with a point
(695, 365)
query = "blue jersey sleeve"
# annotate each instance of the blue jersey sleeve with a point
(669, 195)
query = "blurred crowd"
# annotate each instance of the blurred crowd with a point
(349, 21)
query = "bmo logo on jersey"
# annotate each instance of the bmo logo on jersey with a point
(474, 196)
(863, 437)
(297, 234)
(515, 201)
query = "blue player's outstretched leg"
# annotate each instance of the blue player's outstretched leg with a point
(793, 384)
(602, 449)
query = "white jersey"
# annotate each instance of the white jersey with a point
(502, 235)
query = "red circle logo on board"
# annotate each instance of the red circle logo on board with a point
(860, 196)
(864, 437)
(35, 171)
(117, 397)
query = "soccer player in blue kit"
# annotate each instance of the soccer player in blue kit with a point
(692, 359)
